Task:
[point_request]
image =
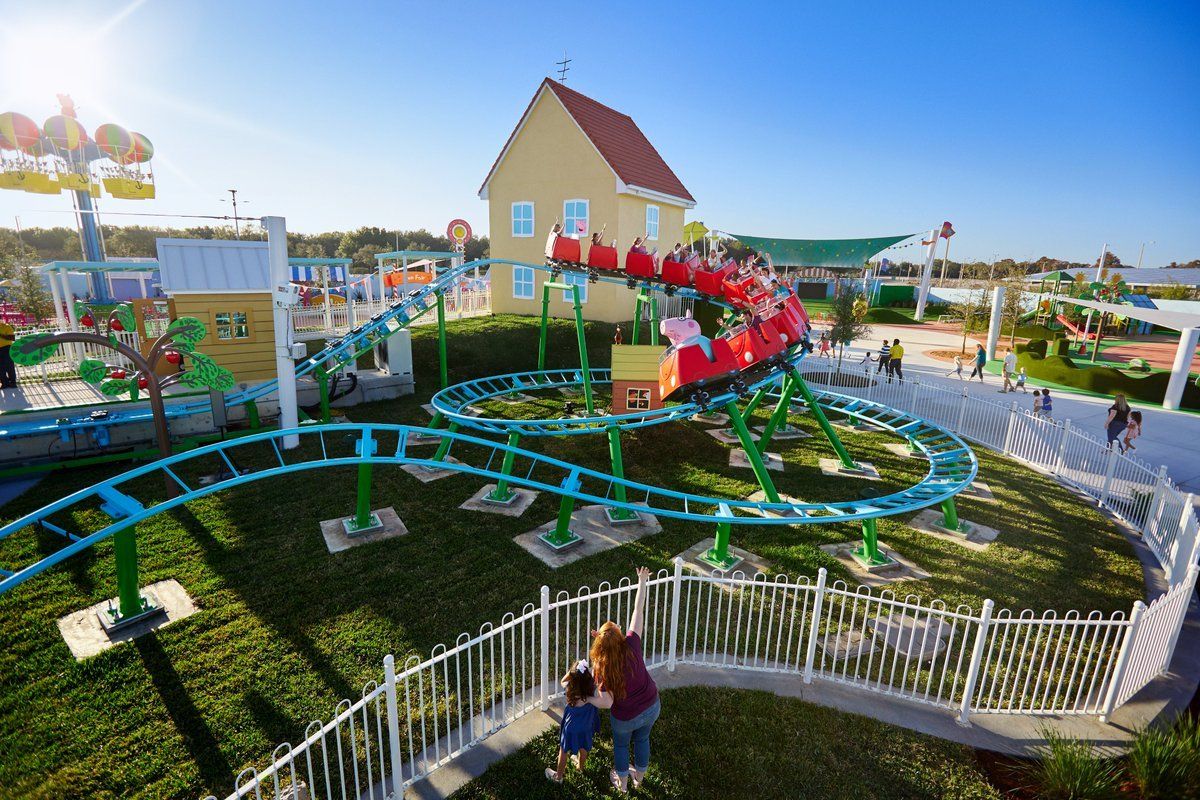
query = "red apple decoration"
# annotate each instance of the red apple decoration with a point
(87, 321)
(116, 325)
(142, 382)
(173, 357)
(118, 374)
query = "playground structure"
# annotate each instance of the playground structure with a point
(952, 464)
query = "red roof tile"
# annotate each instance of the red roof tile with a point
(620, 141)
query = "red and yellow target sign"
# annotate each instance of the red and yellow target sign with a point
(459, 231)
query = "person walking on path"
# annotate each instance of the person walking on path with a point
(885, 356)
(895, 361)
(980, 362)
(8, 370)
(958, 367)
(1008, 368)
(824, 346)
(627, 687)
(1132, 431)
(1117, 420)
(1047, 405)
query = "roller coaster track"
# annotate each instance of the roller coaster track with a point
(378, 327)
(952, 466)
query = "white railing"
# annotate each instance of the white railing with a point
(339, 318)
(1126, 486)
(964, 661)
(64, 364)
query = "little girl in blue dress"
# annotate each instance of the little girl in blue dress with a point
(580, 721)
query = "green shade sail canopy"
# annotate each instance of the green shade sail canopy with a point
(831, 253)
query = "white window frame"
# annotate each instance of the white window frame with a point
(520, 271)
(575, 279)
(632, 404)
(532, 219)
(657, 219)
(571, 230)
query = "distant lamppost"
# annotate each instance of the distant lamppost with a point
(1142, 252)
(237, 229)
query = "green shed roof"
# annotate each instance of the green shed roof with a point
(832, 253)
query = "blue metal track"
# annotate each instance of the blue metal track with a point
(952, 467)
(400, 313)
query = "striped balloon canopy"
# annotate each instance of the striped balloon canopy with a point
(18, 132)
(65, 132)
(142, 150)
(114, 142)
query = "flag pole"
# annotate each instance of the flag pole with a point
(945, 256)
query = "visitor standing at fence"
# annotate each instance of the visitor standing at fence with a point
(1118, 419)
(580, 721)
(1008, 368)
(980, 362)
(885, 355)
(896, 361)
(8, 370)
(621, 670)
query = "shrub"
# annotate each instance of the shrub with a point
(1100, 379)
(1070, 770)
(1164, 763)
(1037, 346)
(1062, 347)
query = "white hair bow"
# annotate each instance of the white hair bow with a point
(582, 666)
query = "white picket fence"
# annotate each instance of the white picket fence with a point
(315, 322)
(963, 660)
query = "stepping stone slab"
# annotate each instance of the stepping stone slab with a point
(521, 500)
(337, 539)
(917, 638)
(596, 534)
(843, 644)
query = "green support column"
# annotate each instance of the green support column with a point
(848, 463)
(581, 336)
(542, 329)
(129, 599)
(323, 386)
(502, 493)
(617, 515)
(562, 536)
(444, 445)
(754, 403)
(363, 520)
(756, 462)
(252, 415)
(441, 312)
(654, 320)
(718, 556)
(438, 419)
(950, 520)
(638, 304)
(779, 417)
(868, 553)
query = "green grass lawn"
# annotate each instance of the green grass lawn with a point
(720, 743)
(284, 629)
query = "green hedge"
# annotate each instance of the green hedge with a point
(1038, 332)
(890, 294)
(1101, 380)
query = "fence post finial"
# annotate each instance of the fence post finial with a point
(1118, 675)
(545, 646)
(393, 721)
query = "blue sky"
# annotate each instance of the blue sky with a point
(1037, 129)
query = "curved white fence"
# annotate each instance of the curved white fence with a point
(964, 660)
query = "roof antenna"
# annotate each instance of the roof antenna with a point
(563, 69)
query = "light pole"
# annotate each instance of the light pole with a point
(1142, 252)
(237, 230)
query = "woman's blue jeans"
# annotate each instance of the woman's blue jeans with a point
(637, 732)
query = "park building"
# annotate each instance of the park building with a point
(574, 160)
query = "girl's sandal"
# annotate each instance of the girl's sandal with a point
(635, 778)
(552, 775)
(616, 782)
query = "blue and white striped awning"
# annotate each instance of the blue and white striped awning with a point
(312, 274)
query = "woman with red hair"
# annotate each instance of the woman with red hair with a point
(619, 666)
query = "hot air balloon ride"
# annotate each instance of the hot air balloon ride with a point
(70, 142)
(23, 150)
(130, 176)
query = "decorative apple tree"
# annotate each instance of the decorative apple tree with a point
(175, 345)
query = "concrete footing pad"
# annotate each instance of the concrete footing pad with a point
(901, 449)
(978, 491)
(337, 539)
(738, 458)
(415, 439)
(761, 497)
(716, 418)
(596, 533)
(426, 475)
(971, 536)
(854, 426)
(86, 637)
(903, 569)
(784, 434)
(725, 435)
(514, 399)
(833, 467)
(520, 502)
(749, 564)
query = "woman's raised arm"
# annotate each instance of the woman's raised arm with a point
(639, 602)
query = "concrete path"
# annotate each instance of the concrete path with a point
(1168, 437)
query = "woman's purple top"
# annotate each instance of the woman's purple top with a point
(640, 689)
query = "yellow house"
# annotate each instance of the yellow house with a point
(579, 162)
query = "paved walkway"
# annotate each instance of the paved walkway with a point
(1168, 437)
